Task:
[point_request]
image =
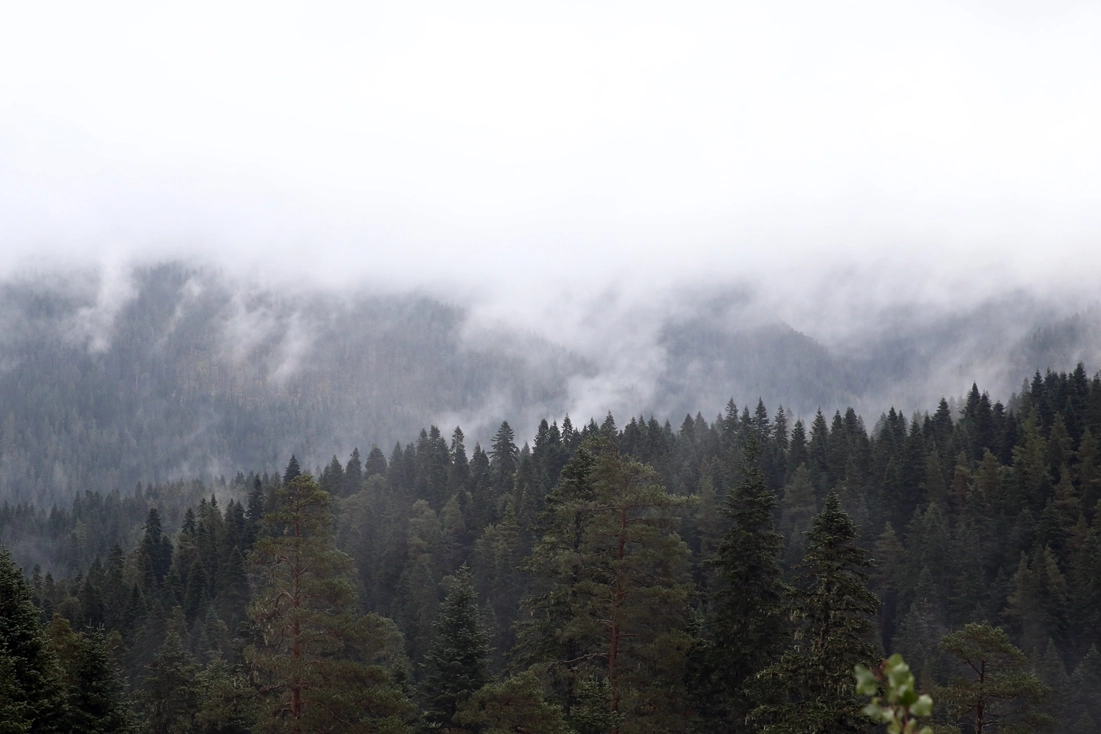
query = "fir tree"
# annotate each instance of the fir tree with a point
(31, 697)
(292, 472)
(94, 692)
(992, 690)
(375, 464)
(504, 457)
(171, 693)
(812, 681)
(457, 664)
(512, 706)
(309, 658)
(747, 623)
(616, 606)
(353, 475)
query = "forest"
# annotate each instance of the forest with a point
(725, 575)
(168, 372)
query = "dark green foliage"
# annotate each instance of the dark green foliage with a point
(991, 688)
(171, 692)
(317, 657)
(974, 512)
(457, 664)
(811, 683)
(376, 463)
(31, 696)
(747, 623)
(612, 599)
(94, 689)
(513, 706)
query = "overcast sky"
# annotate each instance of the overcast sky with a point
(924, 152)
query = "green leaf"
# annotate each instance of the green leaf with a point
(923, 707)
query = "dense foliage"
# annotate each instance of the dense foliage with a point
(168, 372)
(724, 575)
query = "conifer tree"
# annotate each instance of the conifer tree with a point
(992, 690)
(310, 659)
(615, 601)
(512, 706)
(458, 477)
(375, 464)
(495, 560)
(31, 697)
(353, 475)
(811, 682)
(457, 664)
(171, 693)
(293, 471)
(155, 553)
(746, 629)
(95, 701)
(504, 458)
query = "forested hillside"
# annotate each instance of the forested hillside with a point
(173, 373)
(630, 575)
(166, 373)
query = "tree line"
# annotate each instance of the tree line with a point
(723, 576)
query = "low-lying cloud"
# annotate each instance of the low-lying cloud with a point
(596, 176)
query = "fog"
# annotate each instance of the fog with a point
(587, 175)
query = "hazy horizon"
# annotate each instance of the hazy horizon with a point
(586, 174)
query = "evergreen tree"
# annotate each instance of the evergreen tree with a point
(255, 512)
(332, 478)
(513, 706)
(31, 697)
(310, 658)
(353, 475)
(171, 693)
(459, 471)
(457, 664)
(504, 457)
(834, 610)
(292, 472)
(376, 463)
(747, 622)
(155, 553)
(615, 605)
(992, 690)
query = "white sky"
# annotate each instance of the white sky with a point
(928, 152)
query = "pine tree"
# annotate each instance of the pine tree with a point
(332, 478)
(747, 622)
(94, 691)
(797, 512)
(504, 458)
(992, 690)
(495, 564)
(353, 475)
(615, 601)
(31, 697)
(833, 614)
(170, 692)
(155, 553)
(255, 512)
(292, 472)
(375, 464)
(309, 661)
(512, 706)
(457, 664)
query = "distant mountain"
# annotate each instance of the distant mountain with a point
(176, 372)
(169, 371)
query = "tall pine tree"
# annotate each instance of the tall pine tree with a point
(313, 660)
(747, 625)
(834, 613)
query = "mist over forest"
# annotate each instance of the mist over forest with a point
(550, 368)
(172, 372)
